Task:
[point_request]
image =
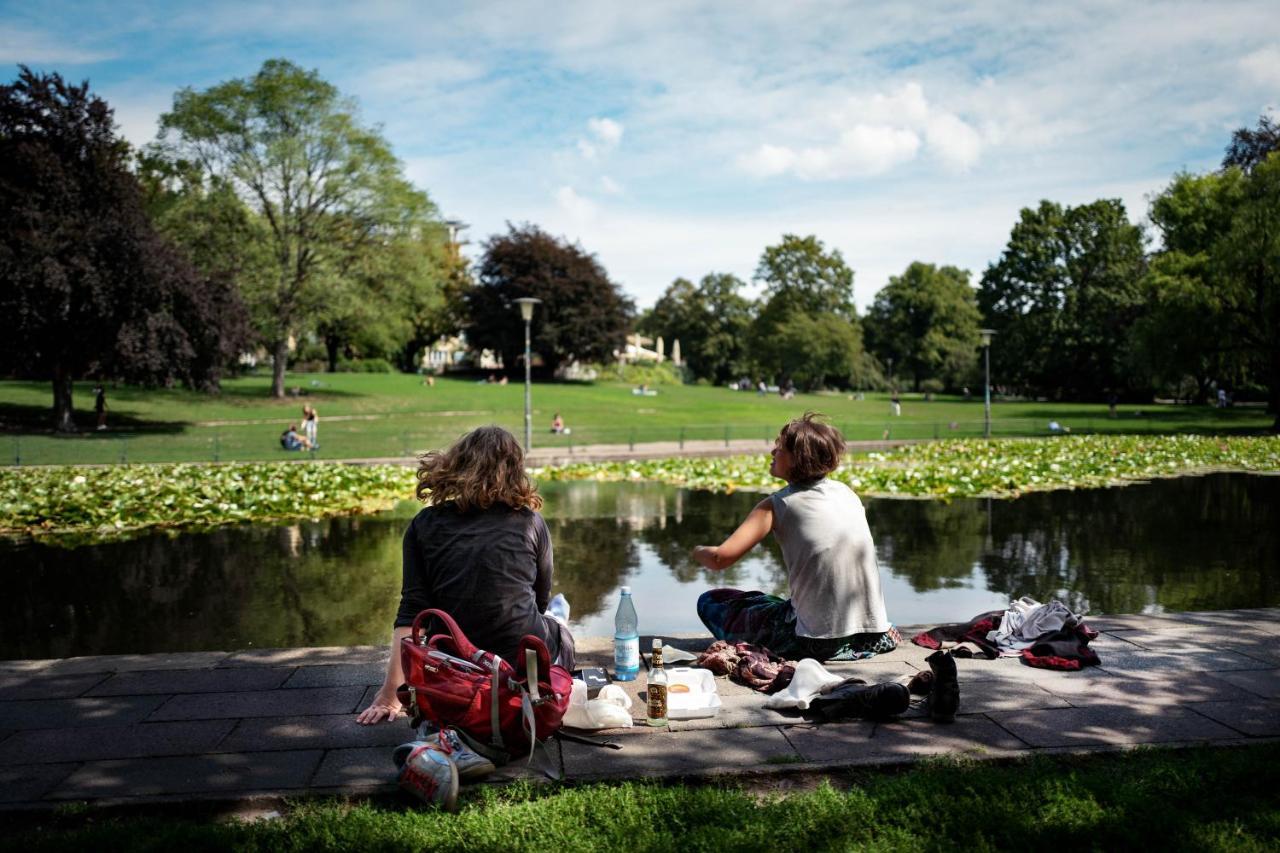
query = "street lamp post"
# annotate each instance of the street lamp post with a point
(986, 380)
(526, 313)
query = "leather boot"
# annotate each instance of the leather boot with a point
(944, 694)
(869, 701)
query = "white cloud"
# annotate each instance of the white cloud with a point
(1263, 66)
(578, 207)
(30, 47)
(872, 134)
(609, 186)
(608, 131)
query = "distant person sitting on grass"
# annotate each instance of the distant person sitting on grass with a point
(290, 440)
(836, 610)
(557, 425)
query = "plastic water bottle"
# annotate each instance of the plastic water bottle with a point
(626, 640)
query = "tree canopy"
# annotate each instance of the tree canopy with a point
(583, 314)
(927, 321)
(90, 286)
(325, 188)
(711, 321)
(1063, 298)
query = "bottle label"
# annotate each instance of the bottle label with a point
(626, 653)
(657, 701)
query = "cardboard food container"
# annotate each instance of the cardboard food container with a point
(701, 700)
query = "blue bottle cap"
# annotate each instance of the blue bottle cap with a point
(626, 590)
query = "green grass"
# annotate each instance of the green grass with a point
(82, 504)
(391, 415)
(1199, 799)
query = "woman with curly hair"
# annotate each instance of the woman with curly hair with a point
(836, 610)
(480, 552)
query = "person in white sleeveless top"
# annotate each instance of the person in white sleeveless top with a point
(836, 610)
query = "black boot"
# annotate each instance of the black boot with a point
(944, 695)
(869, 701)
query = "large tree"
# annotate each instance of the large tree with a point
(1186, 333)
(1248, 260)
(1250, 147)
(1063, 298)
(290, 146)
(89, 286)
(806, 287)
(583, 314)
(927, 321)
(710, 320)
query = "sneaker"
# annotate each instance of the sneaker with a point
(428, 773)
(472, 766)
(461, 742)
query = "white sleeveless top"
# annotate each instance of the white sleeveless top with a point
(831, 560)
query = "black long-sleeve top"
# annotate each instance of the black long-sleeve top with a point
(488, 569)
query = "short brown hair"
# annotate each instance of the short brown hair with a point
(483, 468)
(815, 447)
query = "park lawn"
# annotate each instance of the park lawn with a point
(394, 415)
(1196, 799)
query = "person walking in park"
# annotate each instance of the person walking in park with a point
(895, 403)
(310, 425)
(100, 405)
(481, 552)
(836, 610)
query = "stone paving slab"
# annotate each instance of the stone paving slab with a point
(1163, 664)
(367, 767)
(29, 783)
(1265, 683)
(667, 753)
(1253, 717)
(42, 746)
(192, 681)
(116, 663)
(72, 713)
(333, 731)
(309, 657)
(142, 777)
(861, 741)
(271, 703)
(338, 675)
(1110, 725)
(40, 685)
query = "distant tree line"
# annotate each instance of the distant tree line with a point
(1080, 309)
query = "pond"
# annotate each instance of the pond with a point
(1195, 543)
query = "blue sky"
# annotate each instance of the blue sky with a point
(677, 139)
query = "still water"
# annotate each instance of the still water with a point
(1196, 543)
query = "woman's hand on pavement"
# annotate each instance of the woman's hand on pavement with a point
(381, 708)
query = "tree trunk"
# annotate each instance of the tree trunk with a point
(331, 344)
(1273, 405)
(280, 359)
(63, 420)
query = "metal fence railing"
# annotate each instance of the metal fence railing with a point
(394, 439)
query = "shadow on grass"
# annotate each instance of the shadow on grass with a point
(36, 420)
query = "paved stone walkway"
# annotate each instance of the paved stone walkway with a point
(217, 725)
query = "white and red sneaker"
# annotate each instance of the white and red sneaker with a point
(427, 772)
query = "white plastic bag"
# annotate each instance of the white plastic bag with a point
(609, 710)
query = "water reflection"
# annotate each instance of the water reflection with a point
(1188, 544)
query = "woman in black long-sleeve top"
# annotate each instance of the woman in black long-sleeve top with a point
(480, 552)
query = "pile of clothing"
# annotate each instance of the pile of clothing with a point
(753, 666)
(1048, 636)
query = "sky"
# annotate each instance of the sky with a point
(679, 139)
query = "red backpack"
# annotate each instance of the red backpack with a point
(452, 683)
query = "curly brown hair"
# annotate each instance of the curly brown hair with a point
(815, 447)
(483, 468)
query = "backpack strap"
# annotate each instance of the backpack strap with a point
(495, 663)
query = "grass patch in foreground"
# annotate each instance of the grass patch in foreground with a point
(1198, 799)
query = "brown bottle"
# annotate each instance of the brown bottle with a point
(656, 712)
